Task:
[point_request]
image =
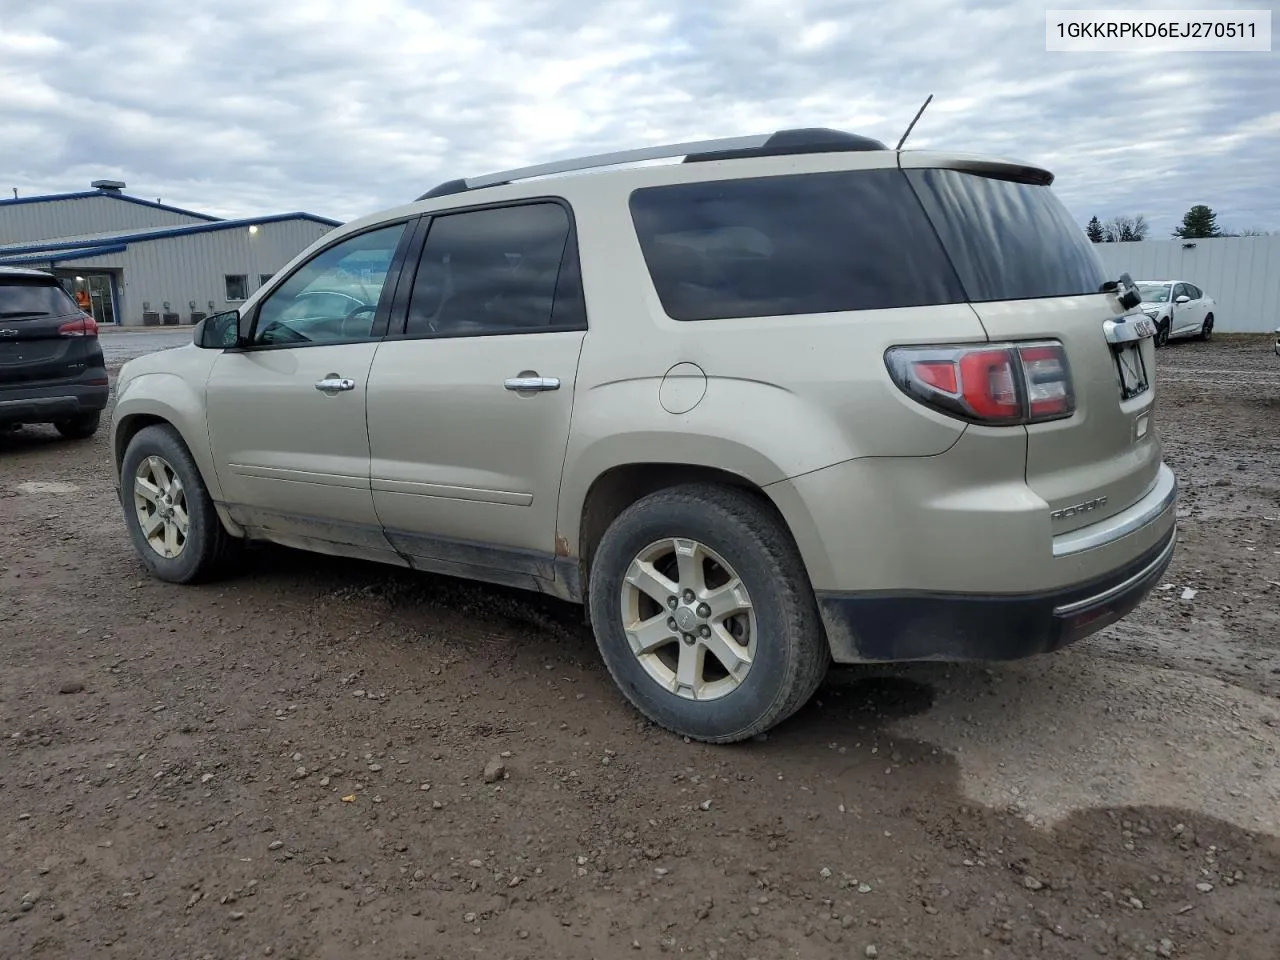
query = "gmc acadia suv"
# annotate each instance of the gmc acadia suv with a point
(798, 398)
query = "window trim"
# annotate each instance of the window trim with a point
(226, 289)
(249, 322)
(409, 276)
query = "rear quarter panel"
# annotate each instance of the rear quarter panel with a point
(783, 396)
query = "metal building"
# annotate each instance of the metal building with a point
(1241, 273)
(138, 262)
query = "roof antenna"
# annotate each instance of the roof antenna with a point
(912, 125)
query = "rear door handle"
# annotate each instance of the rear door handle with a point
(333, 384)
(532, 384)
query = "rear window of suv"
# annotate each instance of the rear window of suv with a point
(20, 298)
(1008, 240)
(856, 240)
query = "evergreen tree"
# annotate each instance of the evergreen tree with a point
(1094, 231)
(1199, 222)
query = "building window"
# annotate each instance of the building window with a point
(237, 286)
(264, 279)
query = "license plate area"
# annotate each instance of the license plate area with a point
(1131, 367)
(1125, 338)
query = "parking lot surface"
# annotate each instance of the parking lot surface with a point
(293, 763)
(121, 345)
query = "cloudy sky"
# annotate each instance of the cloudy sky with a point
(245, 107)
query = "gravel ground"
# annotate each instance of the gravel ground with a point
(327, 759)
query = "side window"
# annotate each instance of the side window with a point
(1194, 292)
(502, 270)
(334, 297)
(788, 245)
(237, 287)
(1180, 290)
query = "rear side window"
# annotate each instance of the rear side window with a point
(799, 244)
(34, 300)
(507, 269)
(1008, 240)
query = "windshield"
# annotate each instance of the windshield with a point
(34, 300)
(1154, 292)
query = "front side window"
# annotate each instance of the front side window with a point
(334, 297)
(1180, 291)
(798, 244)
(237, 287)
(501, 270)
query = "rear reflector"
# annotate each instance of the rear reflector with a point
(996, 384)
(86, 326)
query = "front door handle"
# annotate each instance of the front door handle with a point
(335, 384)
(532, 384)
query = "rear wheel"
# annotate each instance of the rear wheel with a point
(168, 510)
(79, 428)
(1206, 329)
(704, 615)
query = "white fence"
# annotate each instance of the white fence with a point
(1241, 273)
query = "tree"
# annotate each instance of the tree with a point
(1094, 231)
(1198, 222)
(1125, 229)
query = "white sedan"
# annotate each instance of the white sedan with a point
(1179, 309)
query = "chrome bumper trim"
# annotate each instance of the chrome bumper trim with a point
(1155, 503)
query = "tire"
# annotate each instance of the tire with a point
(781, 633)
(1206, 329)
(1162, 334)
(80, 428)
(206, 550)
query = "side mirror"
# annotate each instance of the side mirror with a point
(218, 332)
(1183, 299)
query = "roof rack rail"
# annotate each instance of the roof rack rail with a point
(781, 143)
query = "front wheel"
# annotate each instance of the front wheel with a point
(168, 510)
(1206, 329)
(1162, 334)
(704, 615)
(79, 428)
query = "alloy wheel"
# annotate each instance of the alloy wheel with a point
(160, 502)
(689, 619)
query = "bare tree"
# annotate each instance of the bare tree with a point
(1125, 229)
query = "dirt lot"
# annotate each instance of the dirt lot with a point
(291, 764)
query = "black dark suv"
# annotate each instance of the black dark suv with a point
(51, 366)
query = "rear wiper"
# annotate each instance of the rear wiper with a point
(25, 313)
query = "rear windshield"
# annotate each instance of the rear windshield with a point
(34, 300)
(856, 240)
(811, 243)
(1007, 240)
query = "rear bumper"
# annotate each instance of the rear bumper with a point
(49, 403)
(917, 626)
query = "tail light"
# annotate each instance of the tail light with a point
(995, 384)
(86, 326)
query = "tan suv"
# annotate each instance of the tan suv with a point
(798, 398)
